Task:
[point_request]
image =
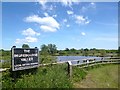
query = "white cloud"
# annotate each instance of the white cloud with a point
(81, 20)
(54, 15)
(30, 32)
(64, 20)
(29, 36)
(88, 7)
(46, 14)
(31, 39)
(66, 2)
(67, 25)
(42, 2)
(19, 41)
(87, 22)
(83, 33)
(44, 21)
(69, 12)
(28, 39)
(69, 2)
(47, 28)
(92, 5)
(51, 7)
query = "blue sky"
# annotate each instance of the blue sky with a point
(66, 24)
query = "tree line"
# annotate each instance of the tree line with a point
(51, 49)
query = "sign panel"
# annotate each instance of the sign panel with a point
(24, 58)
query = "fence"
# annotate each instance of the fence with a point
(86, 63)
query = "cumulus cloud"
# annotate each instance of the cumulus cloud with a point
(47, 28)
(31, 39)
(69, 12)
(28, 39)
(46, 21)
(81, 19)
(19, 41)
(30, 32)
(30, 36)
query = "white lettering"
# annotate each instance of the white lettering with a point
(27, 51)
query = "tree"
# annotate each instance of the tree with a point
(103, 52)
(66, 49)
(25, 46)
(92, 51)
(52, 49)
(86, 52)
(44, 49)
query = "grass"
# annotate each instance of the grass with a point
(104, 76)
(54, 76)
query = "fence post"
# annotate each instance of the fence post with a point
(69, 69)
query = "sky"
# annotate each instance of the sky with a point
(65, 24)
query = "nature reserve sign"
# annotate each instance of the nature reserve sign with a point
(24, 58)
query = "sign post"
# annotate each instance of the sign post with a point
(24, 58)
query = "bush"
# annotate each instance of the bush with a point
(6, 64)
(47, 59)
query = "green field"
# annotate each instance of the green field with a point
(105, 76)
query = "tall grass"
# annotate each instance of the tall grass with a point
(100, 76)
(54, 76)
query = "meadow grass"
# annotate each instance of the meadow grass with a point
(53, 76)
(102, 76)
(56, 76)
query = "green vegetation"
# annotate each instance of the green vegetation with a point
(53, 76)
(49, 49)
(56, 76)
(105, 76)
(25, 46)
(88, 52)
(48, 53)
(78, 74)
(47, 59)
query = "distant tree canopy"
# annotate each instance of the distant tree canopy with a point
(25, 46)
(50, 49)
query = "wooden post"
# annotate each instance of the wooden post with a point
(69, 69)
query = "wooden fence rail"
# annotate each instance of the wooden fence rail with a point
(88, 62)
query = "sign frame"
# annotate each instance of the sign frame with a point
(25, 66)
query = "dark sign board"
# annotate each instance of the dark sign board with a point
(24, 58)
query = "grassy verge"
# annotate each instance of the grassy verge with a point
(104, 76)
